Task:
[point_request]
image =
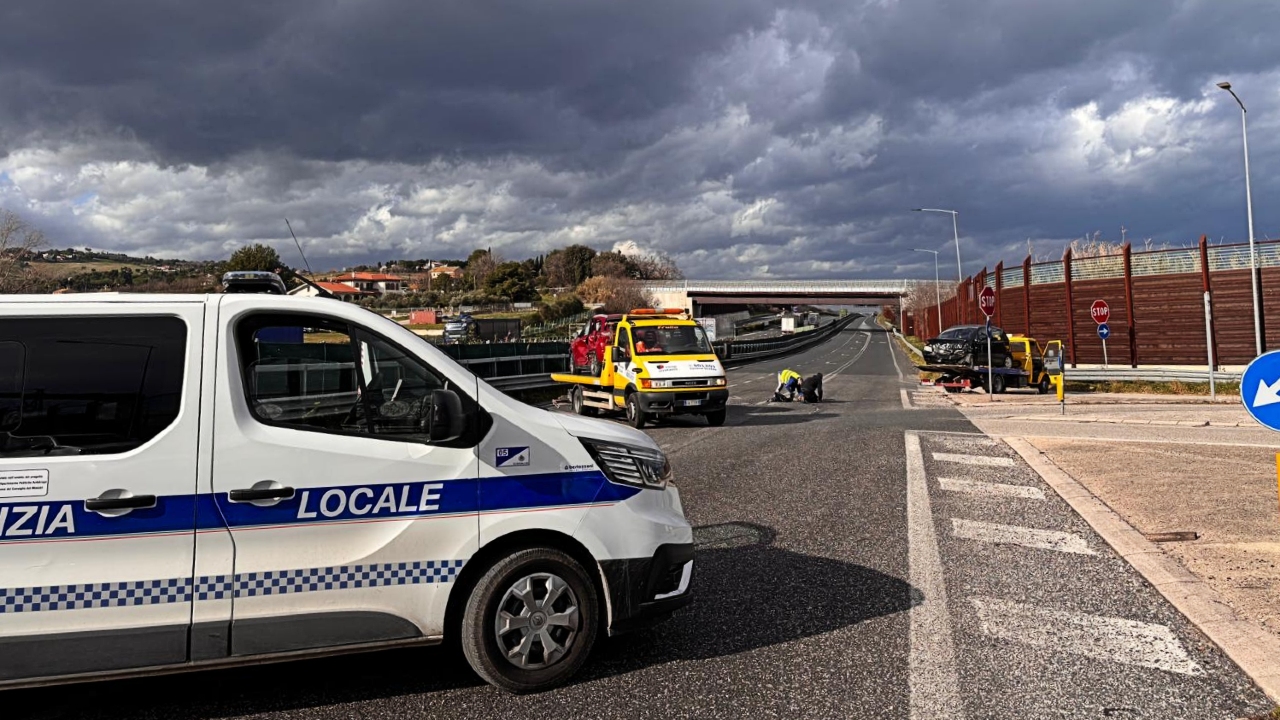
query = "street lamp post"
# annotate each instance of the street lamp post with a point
(937, 286)
(955, 229)
(1248, 202)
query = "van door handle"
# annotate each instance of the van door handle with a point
(264, 490)
(119, 500)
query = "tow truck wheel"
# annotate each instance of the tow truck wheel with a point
(717, 417)
(635, 416)
(593, 363)
(1043, 387)
(996, 385)
(531, 620)
(579, 403)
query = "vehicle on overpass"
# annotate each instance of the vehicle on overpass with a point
(658, 363)
(249, 477)
(587, 351)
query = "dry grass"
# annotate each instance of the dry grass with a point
(1152, 388)
(58, 271)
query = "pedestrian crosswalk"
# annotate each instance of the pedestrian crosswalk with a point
(925, 399)
(986, 500)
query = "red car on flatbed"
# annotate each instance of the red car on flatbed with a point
(587, 350)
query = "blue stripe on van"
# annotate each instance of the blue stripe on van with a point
(22, 521)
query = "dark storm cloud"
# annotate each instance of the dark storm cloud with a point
(403, 80)
(743, 136)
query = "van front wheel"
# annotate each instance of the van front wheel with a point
(530, 621)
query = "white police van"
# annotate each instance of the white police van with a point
(196, 481)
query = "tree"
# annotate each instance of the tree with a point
(480, 265)
(18, 241)
(617, 295)
(656, 266)
(254, 257)
(512, 280)
(569, 266)
(614, 265)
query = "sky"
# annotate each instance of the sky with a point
(744, 138)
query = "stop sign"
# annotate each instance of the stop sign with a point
(987, 301)
(1101, 311)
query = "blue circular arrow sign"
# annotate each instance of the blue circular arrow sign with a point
(1260, 389)
(1104, 331)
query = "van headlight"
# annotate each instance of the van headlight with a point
(630, 465)
(718, 382)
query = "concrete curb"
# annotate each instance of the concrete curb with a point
(1256, 651)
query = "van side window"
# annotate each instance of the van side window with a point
(324, 375)
(88, 386)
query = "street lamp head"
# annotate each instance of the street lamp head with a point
(935, 252)
(1224, 85)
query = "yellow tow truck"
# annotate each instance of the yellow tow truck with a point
(658, 363)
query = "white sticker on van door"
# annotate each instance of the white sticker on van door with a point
(24, 483)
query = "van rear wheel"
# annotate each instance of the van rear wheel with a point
(530, 621)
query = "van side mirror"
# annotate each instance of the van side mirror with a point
(446, 420)
(620, 354)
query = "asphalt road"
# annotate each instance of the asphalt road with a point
(870, 557)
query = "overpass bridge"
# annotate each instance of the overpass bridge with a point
(692, 294)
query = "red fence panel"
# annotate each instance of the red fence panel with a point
(1088, 345)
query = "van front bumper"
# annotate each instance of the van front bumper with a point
(645, 591)
(677, 403)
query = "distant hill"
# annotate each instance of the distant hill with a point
(90, 270)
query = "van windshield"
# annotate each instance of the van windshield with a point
(671, 340)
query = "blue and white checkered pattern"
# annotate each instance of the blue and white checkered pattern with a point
(94, 595)
(281, 582)
(220, 587)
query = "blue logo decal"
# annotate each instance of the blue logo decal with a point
(512, 457)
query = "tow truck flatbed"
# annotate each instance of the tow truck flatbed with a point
(573, 379)
(955, 378)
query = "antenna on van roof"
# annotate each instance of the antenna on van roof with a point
(295, 242)
(319, 290)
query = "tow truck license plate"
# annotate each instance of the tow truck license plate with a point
(687, 403)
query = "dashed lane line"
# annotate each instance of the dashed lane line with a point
(1016, 535)
(973, 459)
(934, 687)
(856, 357)
(974, 487)
(1095, 636)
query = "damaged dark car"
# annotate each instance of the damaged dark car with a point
(967, 345)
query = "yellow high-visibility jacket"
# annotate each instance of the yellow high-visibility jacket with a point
(788, 374)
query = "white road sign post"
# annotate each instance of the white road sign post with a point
(987, 304)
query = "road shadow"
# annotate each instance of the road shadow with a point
(749, 594)
(793, 418)
(752, 594)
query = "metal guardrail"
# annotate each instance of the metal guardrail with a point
(516, 372)
(1140, 375)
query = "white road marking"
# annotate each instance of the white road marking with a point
(973, 487)
(893, 353)
(1096, 636)
(934, 688)
(856, 357)
(1017, 535)
(973, 459)
(906, 402)
(963, 439)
